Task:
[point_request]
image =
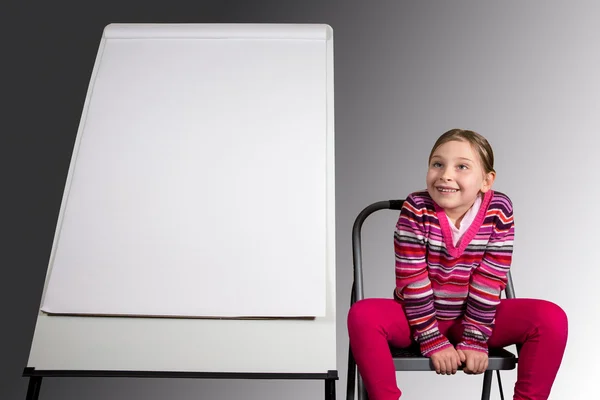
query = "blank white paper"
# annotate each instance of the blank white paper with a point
(198, 185)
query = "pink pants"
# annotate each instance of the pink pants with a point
(538, 325)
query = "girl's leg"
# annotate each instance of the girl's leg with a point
(541, 327)
(372, 323)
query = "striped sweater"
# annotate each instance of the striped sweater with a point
(437, 281)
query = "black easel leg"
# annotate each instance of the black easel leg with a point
(329, 389)
(33, 390)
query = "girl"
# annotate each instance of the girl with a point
(453, 245)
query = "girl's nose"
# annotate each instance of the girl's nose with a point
(446, 176)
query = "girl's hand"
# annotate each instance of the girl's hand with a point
(476, 362)
(446, 362)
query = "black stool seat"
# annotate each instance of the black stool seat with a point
(410, 359)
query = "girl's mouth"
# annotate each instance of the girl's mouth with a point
(446, 190)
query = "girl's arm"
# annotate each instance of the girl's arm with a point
(413, 287)
(489, 278)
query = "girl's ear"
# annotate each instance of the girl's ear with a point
(488, 181)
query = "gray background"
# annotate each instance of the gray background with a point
(524, 74)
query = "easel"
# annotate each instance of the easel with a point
(94, 345)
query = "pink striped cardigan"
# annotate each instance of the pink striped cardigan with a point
(437, 281)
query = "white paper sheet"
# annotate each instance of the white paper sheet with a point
(199, 181)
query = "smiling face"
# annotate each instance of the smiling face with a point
(455, 178)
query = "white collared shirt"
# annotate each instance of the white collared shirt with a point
(457, 233)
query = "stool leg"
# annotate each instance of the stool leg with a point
(500, 385)
(362, 392)
(487, 385)
(350, 384)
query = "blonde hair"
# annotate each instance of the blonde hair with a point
(477, 141)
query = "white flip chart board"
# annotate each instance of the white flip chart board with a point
(200, 175)
(201, 185)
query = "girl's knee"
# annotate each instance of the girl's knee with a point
(360, 311)
(553, 317)
(557, 316)
(373, 312)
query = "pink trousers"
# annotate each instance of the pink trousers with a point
(539, 326)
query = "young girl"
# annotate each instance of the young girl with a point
(453, 245)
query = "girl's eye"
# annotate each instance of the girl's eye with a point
(436, 165)
(463, 166)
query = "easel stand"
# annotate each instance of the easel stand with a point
(35, 377)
